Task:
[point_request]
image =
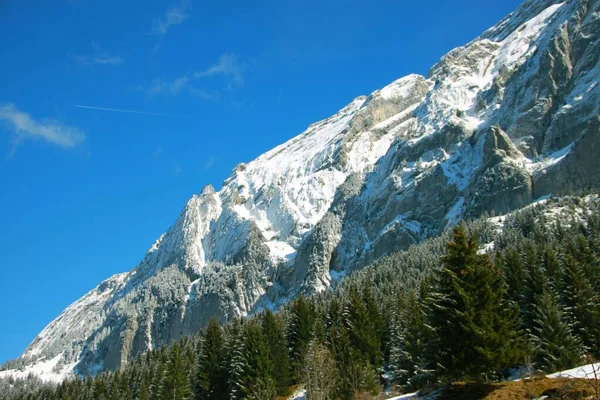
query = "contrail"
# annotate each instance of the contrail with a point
(123, 111)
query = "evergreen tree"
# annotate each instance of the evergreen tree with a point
(211, 376)
(535, 283)
(175, 384)
(477, 330)
(514, 274)
(320, 373)
(582, 304)
(255, 380)
(300, 333)
(555, 346)
(362, 327)
(274, 336)
(408, 362)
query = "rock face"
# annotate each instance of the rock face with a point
(504, 120)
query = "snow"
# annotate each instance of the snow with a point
(281, 250)
(590, 371)
(549, 160)
(299, 394)
(47, 370)
(336, 276)
(455, 214)
(402, 87)
(404, 396)
(285, 192)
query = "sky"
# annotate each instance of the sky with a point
(114, 113)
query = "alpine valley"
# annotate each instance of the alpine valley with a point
(507, 119)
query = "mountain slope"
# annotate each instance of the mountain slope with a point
(506, 119)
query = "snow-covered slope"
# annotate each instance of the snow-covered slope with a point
(506, 119)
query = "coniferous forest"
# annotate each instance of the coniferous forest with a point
(487, 300)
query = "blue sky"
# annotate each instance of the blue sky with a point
(85, 191)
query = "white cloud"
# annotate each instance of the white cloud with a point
(210, 162)
(98, 57)
(174, 15)
(172, 87)
(23, 126)
(157, 153)
(228, 66)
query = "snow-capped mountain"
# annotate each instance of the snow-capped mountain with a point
(508, 118)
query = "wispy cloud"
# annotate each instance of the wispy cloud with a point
(99, 56)
(121, 110)
(23, 126)
(228, 66)
(174, 15)
(210, 162)
(157, 153)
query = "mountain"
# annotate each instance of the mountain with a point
(502, 121)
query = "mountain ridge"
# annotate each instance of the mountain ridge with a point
(507, 118)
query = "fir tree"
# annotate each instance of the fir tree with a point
(582, 304)
(255, 381)
(274, 335)
(555, 346)
(362, 327)
(477, 330)
(299, 333)
(408, 363)
(211, 376)
(514, 274)
(175, 384)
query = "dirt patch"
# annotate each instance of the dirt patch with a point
(567, 389)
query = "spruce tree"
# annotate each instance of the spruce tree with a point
(255, 380)
(514, 274)
(555, 346)
(211, 375)
(175, 384)
(274, 336)
(477, 331)
(582, 304)
(299, 333)
(362, 327)
(408, 363)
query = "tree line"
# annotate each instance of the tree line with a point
(480, 302)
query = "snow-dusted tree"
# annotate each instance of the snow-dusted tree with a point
(211, 376)
(274, 336)
(320, 373)
(299, 333)
(477, 330)
(254, 378)
(175, 384)
(554, 344)
(408, 349)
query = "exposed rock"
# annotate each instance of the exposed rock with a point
(499, 122)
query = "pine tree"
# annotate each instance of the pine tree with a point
(299, 333)
(513, 274)
(534, 285)
(144, 390)
(255, 380)
(347, 361)
(362, 327)
(211, 375)
(582, 304)
(175, 384)
(320, 373)
(274, 336)
(408, 364)
(477, 330)
(555, 346)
